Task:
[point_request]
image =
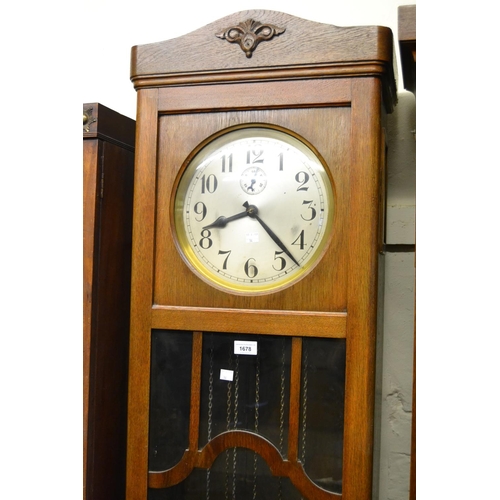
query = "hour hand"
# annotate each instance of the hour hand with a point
(222, 221)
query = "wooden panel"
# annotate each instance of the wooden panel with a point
(407, 35)
(203, 57)
(252, 96)
(329, 131)
(407, 27)
(303, 42)
(362, 290)
(141, 295)
(332, 325)
(90, 156)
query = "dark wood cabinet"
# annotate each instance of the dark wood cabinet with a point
(108, 163)
(407, 37)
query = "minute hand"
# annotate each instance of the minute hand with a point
(273, 236)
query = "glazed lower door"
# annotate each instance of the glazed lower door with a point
(245, 416)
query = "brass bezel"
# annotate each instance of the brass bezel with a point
(199, 157)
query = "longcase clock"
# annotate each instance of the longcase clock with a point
(258, 221)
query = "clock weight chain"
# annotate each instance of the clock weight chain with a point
(210, 402)
(251, 395)
(231, 423)
(228, 427)
(236, 388)
(282, 410)
(304, 406)
(256, 426)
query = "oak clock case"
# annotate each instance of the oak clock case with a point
(257, 226)
(253, 210)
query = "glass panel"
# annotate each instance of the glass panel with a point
(249, 391)
(257, 397)
(171, 354)
(322, 411)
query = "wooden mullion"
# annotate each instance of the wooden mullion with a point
(294, 418)
(194, 415)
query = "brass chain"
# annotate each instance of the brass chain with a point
(304, 407)
(236, 388)
(210, 403)
(256, 425)
(282, 409)
(228, 427)
(282, 396)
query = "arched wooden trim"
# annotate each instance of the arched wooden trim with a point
(205, 457)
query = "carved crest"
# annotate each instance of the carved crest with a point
(249, 34)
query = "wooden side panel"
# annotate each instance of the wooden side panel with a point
(90, 176)
(141, 296)
(362, 289)
(108, 184)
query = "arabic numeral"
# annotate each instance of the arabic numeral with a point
(200, 209)
(208, 184)
(227, 253)
(311, 208)
(256, 156)
(251, 269)
(302, 178)
(205, 241)
(281, 260)
(299, 241)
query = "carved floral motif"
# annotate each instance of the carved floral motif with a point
(249, 34)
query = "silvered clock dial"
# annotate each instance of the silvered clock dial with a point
(253, 210)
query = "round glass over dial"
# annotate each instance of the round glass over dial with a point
(253, 210)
